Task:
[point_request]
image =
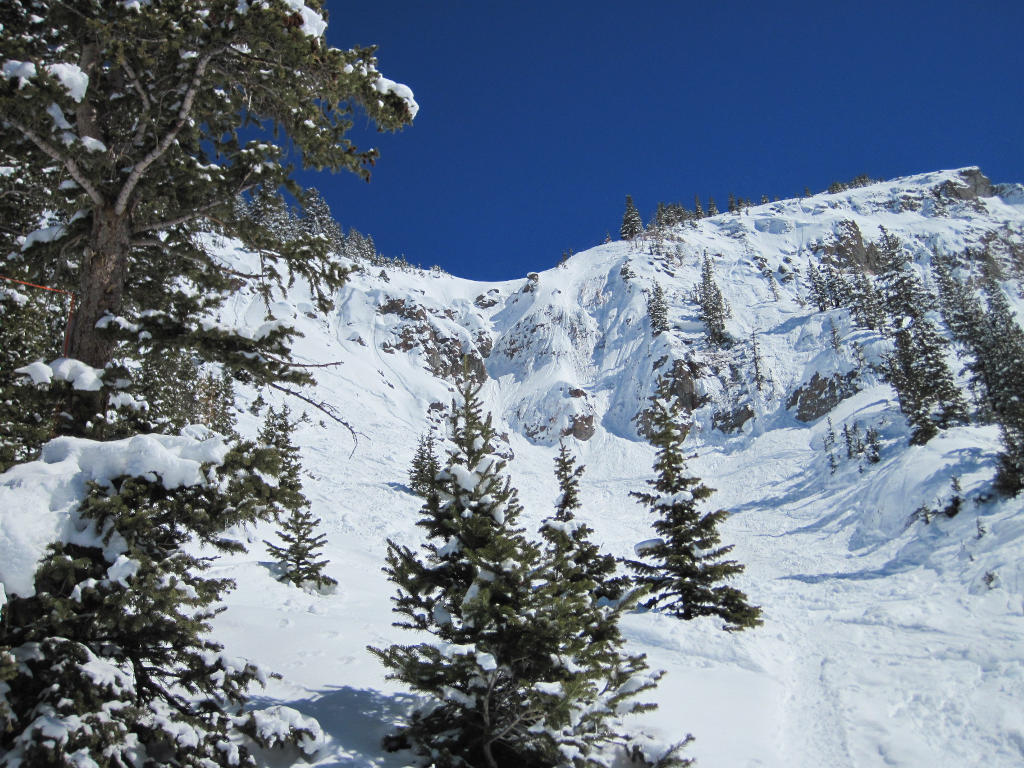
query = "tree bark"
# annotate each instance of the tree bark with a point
(100, 291)
(101, 287)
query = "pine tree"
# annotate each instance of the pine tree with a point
(917, 367)
(960, 306)
(156, 146)
(31, 329)
(755, 354)
(576, 560)
(712, 208)
(818, 289)
(168, 381)
(866, 303)
(425, 466)
(698, 210)
(517, 672)
(998, 369)
(829, 444)
(276, 434)
(632, 223)
(685, 569)
(657, 310)
(713, 308)
(217, 403)
(115, 659)
(318, 221)
(299, 560)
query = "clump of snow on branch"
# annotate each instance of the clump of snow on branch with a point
(39, 498)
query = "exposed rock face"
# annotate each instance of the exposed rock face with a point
(487, 300)
(733, 421)
(444, 353)
(976, 184)
(821, 394)
(682, 377)
(847, 245)
(582, 427)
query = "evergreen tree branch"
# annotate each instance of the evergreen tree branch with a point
(165, 143)
(57, 156)
(197, 213)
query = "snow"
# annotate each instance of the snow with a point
(43, 235)
(647, 544)
(123, 569)
(39, 372)
(313, 24)
(23, 70)
(81, 376)
(886, 641)
(38, 499)
(74, 80)
(384, 85)
(275, 725)
(93, 145)
(673, 499)
(486, 662)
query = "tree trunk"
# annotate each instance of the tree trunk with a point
(100, 291)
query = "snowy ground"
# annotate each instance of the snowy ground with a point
(867, 656)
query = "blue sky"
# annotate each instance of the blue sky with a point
(536, 119)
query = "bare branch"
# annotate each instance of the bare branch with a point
(326, 408)
(273, 359)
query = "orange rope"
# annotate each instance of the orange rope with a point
(71, 309)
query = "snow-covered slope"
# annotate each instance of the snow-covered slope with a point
(886, 641)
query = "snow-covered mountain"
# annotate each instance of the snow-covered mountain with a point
(887, 641)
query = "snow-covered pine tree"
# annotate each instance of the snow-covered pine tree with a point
(425, 466)
(157, 116)
(575, 558)
(917, 367)
(511, 676)
(632, 223)
(299, 558)
(817, 290)
(115, 664)
(31, 328)
(959, 304)
(755, 355)
(685, 569)
(998, 367)
(276, 434)
(657, 310)
(32, 320)
(318, 221)
(865, 302)
(217, 403)
(713, 309)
